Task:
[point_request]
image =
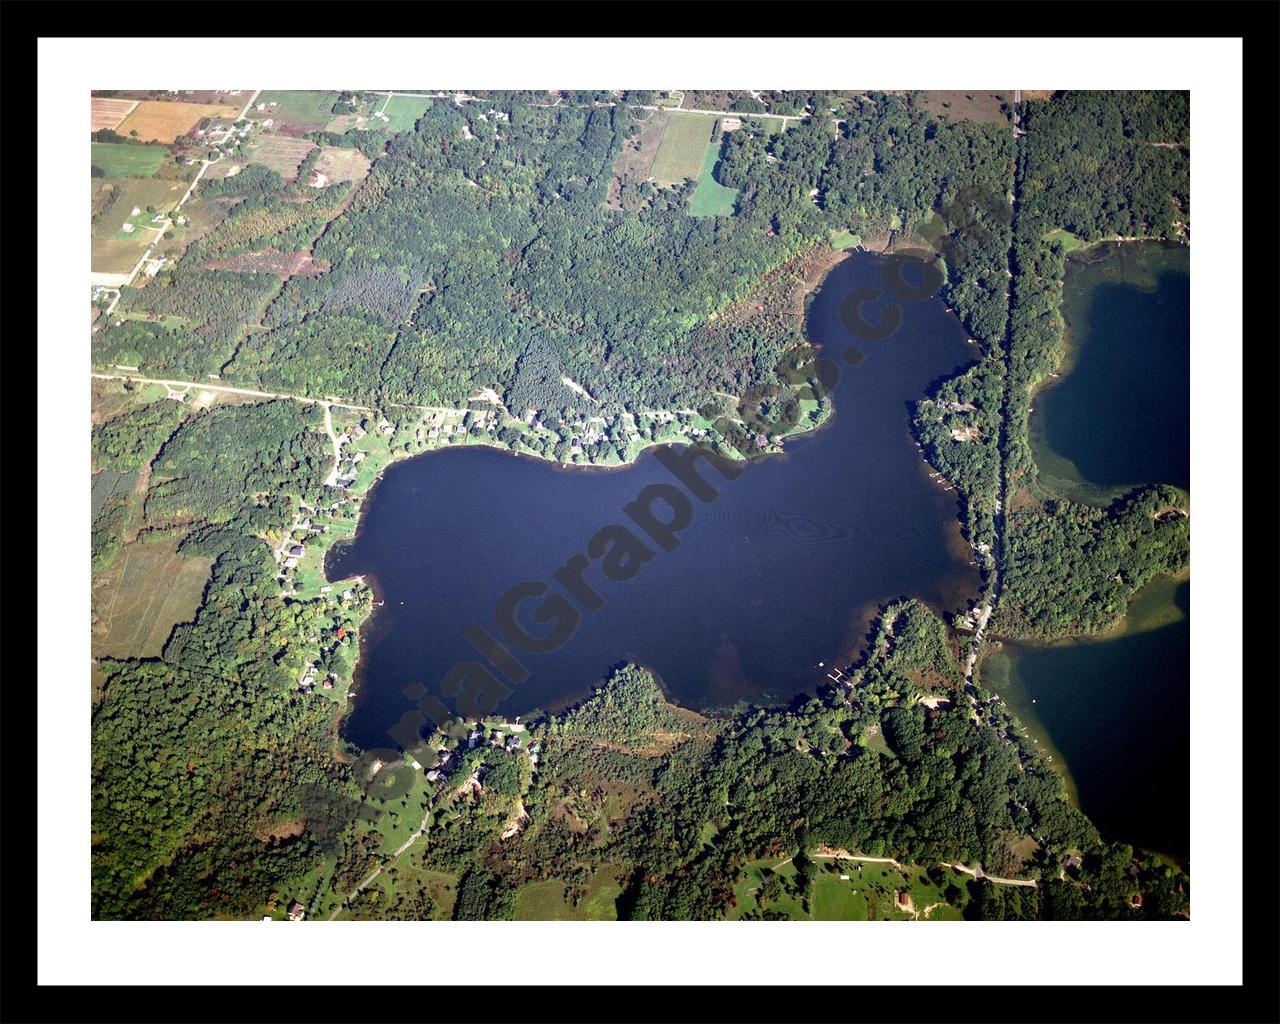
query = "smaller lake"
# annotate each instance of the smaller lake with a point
(1119, 415)
(1114, 712)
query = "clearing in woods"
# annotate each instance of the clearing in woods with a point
(138, 599)
(159, 121)
(684, 146)
(339, 164)
(108, 113)
(958, 105)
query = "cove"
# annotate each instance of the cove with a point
(783, 570)
(1115, 714)
(1118, 416)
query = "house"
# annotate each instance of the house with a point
(357, 458)
(328, 683)
(325, 589)
(1072, 862)
(289, 563)
(127, 228)
(296, 911)
(903, 900)
(433, 775)
(296, 551)
(474, 739)
(347, 595)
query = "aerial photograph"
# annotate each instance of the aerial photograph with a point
(638, 504)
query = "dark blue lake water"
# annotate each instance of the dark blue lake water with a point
(781, 571)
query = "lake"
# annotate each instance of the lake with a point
(1119, 414)
(782, 570)
(1115, 714)
(1114, 711)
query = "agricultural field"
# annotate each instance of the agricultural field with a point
(684, 147)
(108, 113)
(958, 105)
(297, 111)
(138, 599)
(122, 160)
(282, 153)
(710, 198)
(160, 121)
(114, 250)
(339, 164)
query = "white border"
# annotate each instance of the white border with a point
(72, 949)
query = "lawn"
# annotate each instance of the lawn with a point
(684, 147)
(710, 198)
(835, 900)
(844, 240)
(297, 111)
(402, 112)
(121, 160)
(142, 595)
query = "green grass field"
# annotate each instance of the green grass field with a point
(844, 240)
(710, 198)
(121, 160)
(1068, 240)
(402, 112)
(684, 147)
(545, 901)
(299, 109)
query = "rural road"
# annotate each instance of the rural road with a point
(422, 830)
(337, 448)
(1029, 883)
(206, 386)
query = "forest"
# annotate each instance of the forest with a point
(1070, 568)
(680, 804)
